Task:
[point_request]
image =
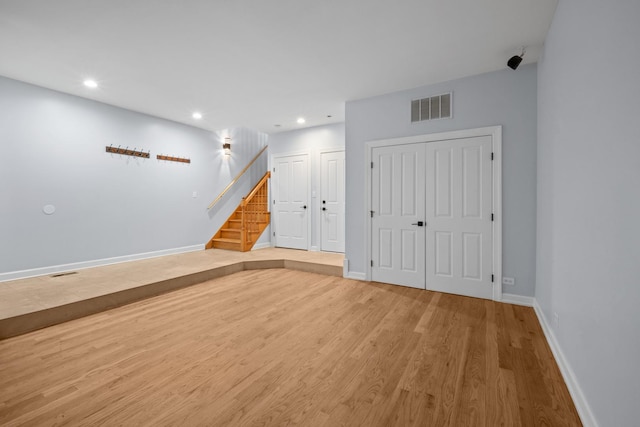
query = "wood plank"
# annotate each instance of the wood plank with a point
(281, 347)
(228, 244)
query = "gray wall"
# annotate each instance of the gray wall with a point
(108, 205)
(588, 256)
(311, 140)
(504, 98)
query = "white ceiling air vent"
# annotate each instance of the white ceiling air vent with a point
(434, 107)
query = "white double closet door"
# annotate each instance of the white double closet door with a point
(432, 221)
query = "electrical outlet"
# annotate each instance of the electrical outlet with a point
(508, 281)
(556, 320)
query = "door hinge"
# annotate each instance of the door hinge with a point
(274, 169)
(371, 165)
(371, 214)
(492, 155)
(274, 201)
(491, 217)
(492, 278)
(371, 263)
(274, 234)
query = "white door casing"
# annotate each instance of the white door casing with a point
(290, 181)
(332, 201)
(397, 204)
(467, 231)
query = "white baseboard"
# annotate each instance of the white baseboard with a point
(351, 274)
(518, 300)
(355, 276)
(41, 271)
(582, 406)
(261, 246)
(314, 249)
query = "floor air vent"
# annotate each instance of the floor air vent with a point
(64, 274)
(434, 107)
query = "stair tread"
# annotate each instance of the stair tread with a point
(233, 230)
(226, 240)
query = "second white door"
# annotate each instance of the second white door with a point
(332, 201)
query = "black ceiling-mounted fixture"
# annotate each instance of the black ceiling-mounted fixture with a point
(515, 60)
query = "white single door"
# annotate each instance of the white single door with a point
(290, 178)
(398, 213)
(458, 216)
(332, 201)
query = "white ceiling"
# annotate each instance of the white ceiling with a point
(258, 63)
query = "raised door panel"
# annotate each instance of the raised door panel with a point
(282, 187)
(442, 183)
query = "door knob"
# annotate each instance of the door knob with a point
(324, 209)
(419, 223)
(304, 207)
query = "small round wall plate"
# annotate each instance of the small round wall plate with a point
(49, 209)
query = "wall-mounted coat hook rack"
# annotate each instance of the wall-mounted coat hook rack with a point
(127, 152)
(173, 159)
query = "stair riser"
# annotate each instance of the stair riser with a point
(227, 245)
(230, 234)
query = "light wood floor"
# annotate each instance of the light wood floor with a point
(280, 347)
(37, 302)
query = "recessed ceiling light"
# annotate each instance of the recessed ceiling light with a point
(301, 120)
(90, 83)
(197, 115)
